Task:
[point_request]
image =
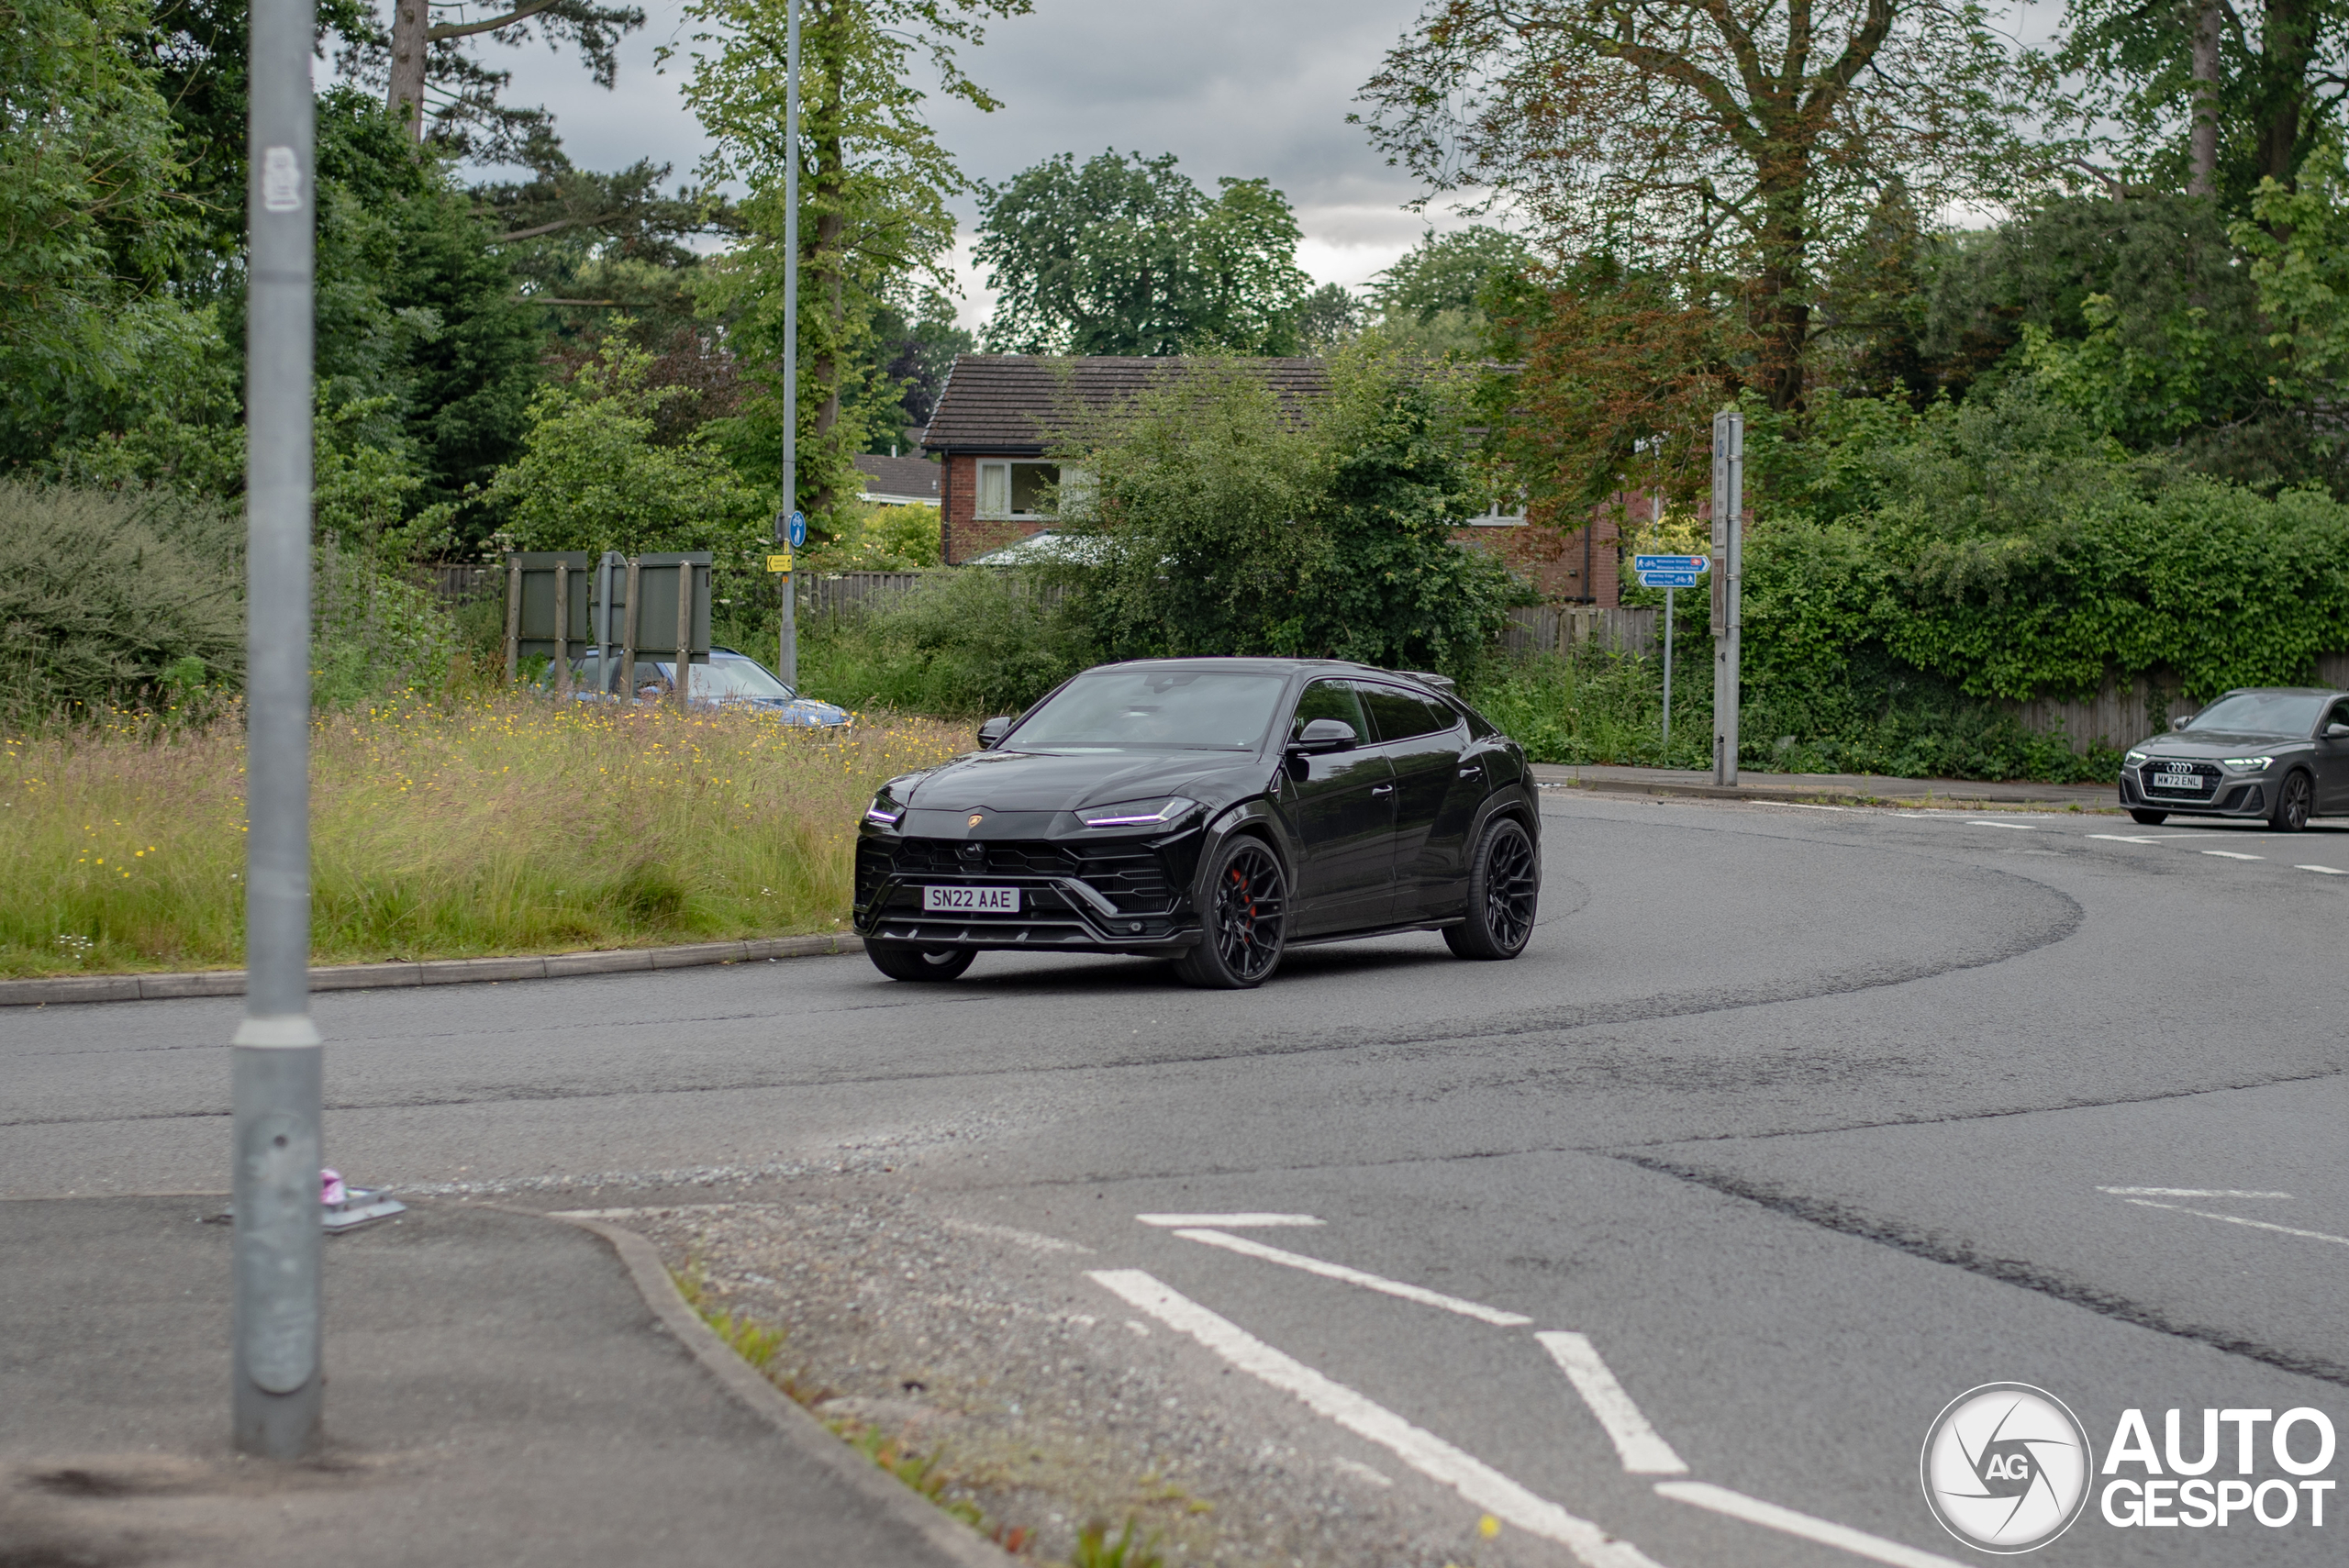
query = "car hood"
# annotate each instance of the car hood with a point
(2214, 744)
(1064, 781)
(793, 710)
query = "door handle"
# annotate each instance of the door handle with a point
(1382, 789)
(1472, 771)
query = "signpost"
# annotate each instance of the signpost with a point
(1668, 572)
(277, 1065)
(790, 525)
(1729, 572)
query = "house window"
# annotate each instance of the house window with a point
(1015, 490)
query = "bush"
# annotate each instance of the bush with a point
(967, 644)
(111, 599)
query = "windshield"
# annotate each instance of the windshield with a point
(2261, 713)
(1194, 709)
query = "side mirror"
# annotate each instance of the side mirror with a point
(992, 732)
(2181, 723)
(2336, 731)
(1325, 735)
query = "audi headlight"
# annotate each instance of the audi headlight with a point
(2248, 764)
(2133, 758)
(1136, 813)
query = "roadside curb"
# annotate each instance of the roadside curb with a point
(739, 1378)
(444, 972)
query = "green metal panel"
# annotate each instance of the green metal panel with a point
(656, 621)
(538, 625)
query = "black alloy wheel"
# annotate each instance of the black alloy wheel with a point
(2295, 802)
(2144, 818)
(1504, 888)
(904, 960)
(1243, 907)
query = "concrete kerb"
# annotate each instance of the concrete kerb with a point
(741, 1380)
(2085, 801)
(446, 971)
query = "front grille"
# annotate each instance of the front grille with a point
(1129, 877)
(2206, 774)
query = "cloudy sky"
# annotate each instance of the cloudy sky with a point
(1239, 87)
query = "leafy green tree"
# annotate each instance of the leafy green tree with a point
(592, 476)
(1739, 139)
(1217, 519)
(1130, 257)
(873, 185)
(89, 224)
(418, 52)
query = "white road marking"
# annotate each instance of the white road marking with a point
(1804, 805)
(2323, 871)
(1361, 1471)
(1228, 1222)
(1985, 822)
(2126, 837)
(2238, 1219)
(1028, 1239)
(2233, 855)
(1753, 1510)
(1247, 1248)
(1644, 1452)
(1480, 1483)
(2185, 1192)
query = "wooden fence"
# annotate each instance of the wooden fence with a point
(2124, 713)
(1562, 628)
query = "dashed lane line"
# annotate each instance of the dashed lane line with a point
(1384, 1286)
(2233, 855)
(1226, 1222)
(1432, 1457)
(2238, 1219)
(2185, 1192)
(1985, 822)
(1753, 1510)
(2323, 871)
(1643, 1451)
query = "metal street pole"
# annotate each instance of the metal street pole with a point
(277, 1062)
(787, 657)
(1729, 505)
(1667, 675)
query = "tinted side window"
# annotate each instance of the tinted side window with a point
(1399, 714)
(1329, 699)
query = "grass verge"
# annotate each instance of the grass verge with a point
(501, 825)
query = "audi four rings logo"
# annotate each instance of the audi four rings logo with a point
(2007, 1467)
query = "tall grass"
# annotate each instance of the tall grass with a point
(505, 824)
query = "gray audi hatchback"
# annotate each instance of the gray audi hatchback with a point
(2277, 753)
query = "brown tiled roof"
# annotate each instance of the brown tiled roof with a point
(898, 475)
(1004, 402)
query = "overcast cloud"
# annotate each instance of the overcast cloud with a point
(1238, 87)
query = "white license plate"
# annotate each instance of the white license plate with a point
(970, 900)
(2177, 781)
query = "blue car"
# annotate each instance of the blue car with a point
(730, 680)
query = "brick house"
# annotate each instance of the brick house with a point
(898, 481)
(990, 432)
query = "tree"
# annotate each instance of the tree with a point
(1433, 300)
(591, 476)
(421, 53)
(1130, 257)
(1735, 139)
(89, 226)
(873, 183)
(2204, 96)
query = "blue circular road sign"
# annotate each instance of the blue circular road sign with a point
(796, 529)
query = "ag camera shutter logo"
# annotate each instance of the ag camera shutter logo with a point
(2007, 1467)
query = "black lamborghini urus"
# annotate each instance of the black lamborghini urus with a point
(1216, 812)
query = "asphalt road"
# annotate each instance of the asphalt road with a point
(1806, 1121)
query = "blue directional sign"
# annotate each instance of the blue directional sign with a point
(1670, 563)
(797, 531)
(1668, 579)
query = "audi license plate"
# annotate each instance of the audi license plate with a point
(970, 900)
(2177, 781)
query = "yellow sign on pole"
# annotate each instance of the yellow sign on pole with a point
(779, 563)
